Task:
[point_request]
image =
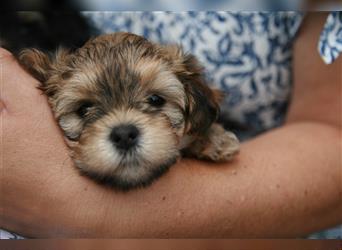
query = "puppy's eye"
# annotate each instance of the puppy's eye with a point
(83, 110)
(156, 100)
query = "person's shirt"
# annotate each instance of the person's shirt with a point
(247, 55)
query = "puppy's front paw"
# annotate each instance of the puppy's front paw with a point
(221, 145)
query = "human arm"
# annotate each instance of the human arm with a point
(284, 183)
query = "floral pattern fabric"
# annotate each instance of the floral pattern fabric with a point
(247, 55)
(330, 43)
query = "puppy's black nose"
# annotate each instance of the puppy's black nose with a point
(124, 137)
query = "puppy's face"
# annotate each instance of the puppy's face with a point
(126, 104)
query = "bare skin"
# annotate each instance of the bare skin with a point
(284, 183)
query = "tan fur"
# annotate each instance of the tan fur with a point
(95, 149)
(113, 76)
(217, 145)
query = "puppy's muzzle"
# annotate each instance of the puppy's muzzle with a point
(125, 137)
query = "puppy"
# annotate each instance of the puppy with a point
(129, 107)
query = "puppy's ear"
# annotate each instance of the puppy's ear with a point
(202, 107)
(37, 63)
(45, 67)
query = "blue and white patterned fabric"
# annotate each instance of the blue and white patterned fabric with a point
(333, 233)
(9, 235)
(330, 43)
(246, 54)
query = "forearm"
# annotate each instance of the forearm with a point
(284, 183)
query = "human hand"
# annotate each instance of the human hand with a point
(34, 157)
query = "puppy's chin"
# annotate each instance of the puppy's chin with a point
(128, 177)
(156, 149)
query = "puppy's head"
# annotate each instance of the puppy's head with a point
(126, 103)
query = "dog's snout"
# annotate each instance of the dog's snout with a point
(124, 137)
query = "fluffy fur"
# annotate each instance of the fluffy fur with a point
(109, 82)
